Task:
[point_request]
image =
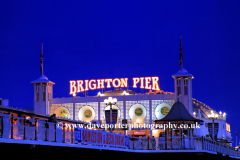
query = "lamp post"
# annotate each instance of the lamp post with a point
(222, 115)
(138, 122)
(110, 101)
(194, 114)
(213, 116)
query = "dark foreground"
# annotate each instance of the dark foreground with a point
(42, 152)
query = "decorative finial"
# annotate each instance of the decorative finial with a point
(181, 53)
(41, 59)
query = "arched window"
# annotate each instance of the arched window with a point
(178, 90)
(185, 90)
(37, 96)
(44, 96)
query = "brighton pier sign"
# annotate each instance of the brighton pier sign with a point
(77, 86)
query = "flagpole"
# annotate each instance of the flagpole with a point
(236, 137)
(181, 53)
(41, 59)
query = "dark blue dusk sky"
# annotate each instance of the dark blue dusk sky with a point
(89, 39)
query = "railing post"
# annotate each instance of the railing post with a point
(12, 127)
(133, 144)
(207, 144)
(63, 132)
(46, 126)
(148, 143)
(24, 129)
(72, 132)
(55, 126)
(204, 143)
(212, 145)
(36, 129)
(1, 124)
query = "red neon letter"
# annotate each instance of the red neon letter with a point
(142, 82)
(72, 87)
(124, 82)
(94, 84)
(155, 83)
(86, 85)
(108, 82)
(147, 81)
(135, 81)
(79, 86)
(100, 83)
(114, 83)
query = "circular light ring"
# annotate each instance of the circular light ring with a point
(86, 113)
(113, 107)
(135, 111)
(62, 112)
(162, 110)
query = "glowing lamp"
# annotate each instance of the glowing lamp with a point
(106, 101)
(110, 101)
(224, 114)
(194, 114)
(213, 116)
(138, 120)
(114, 100)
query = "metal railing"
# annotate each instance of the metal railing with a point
(179, 143)
(208, 144)
(171, 143)
(12, 127)
(32, 129)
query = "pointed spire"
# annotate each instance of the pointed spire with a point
(41, 59)
(181, 53)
